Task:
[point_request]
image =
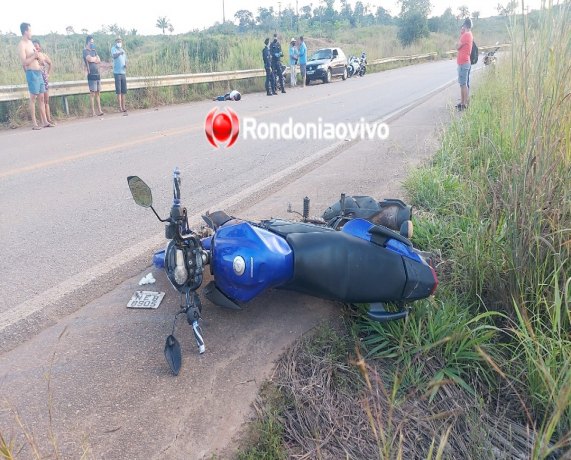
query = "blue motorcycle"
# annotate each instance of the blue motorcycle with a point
(343, 257)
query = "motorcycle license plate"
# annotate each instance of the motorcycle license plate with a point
(146, 299)
(310, 72)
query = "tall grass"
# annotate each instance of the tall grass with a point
(498, 203)
(490, 355)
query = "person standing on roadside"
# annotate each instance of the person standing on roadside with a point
(30, 60)
(276, 53)
(293, 56)
(302, 59)
(46, 67)
(464, 47)
(119, 72)
(92, 62)
(270, 80)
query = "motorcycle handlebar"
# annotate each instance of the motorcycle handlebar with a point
(176, 184)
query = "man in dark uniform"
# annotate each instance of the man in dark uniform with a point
(270, 80)
(276, 53)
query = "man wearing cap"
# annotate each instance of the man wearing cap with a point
(302, 53)
(293, 55)
(119, 70)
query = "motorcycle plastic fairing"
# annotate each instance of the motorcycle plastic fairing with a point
(378, 234)
(159, 259)
(247, 260)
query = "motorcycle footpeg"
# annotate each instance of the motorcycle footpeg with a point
(217, 297)
(378, 313)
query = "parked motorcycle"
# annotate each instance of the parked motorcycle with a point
(363, 64)
(490, 56)
(352, 66)
(341, 257)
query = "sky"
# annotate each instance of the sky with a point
(56, 15)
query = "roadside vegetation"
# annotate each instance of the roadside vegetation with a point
(230, 46)
(482, 370)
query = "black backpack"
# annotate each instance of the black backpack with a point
(474, 54)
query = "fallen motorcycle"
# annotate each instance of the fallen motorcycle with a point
(490, 56)
(341, 257)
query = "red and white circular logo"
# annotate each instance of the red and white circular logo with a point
(222, 127)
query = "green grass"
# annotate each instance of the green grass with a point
(495, 205)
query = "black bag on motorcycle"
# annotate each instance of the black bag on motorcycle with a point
(389, 213)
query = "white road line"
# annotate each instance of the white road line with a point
(79, 281)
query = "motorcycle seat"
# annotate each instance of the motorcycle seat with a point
(336, 265)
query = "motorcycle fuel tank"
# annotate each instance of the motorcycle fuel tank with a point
(247, 260)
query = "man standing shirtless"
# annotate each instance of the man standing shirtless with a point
(31, 61)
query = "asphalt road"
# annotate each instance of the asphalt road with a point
(68, 221)
(94, 384)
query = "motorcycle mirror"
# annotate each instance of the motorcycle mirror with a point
(140, 191)
(173, 354)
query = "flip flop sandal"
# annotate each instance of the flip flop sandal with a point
(36, 128)
(100, 114)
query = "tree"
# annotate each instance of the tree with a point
(84, 31)
(359, 12)
(245, 19)
(163, 23)
(447, 23)
(413, 21)
(508, 9)
(113, 29)
(463, 12)
(133, 31)
(329, 12)
(383, 16)
(171, 28)
(420, 6)
(69, 30)
(266, 18)
(475, 15)
(346, 12)
(287, 19)
(306, 12)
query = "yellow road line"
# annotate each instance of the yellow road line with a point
(167, 133)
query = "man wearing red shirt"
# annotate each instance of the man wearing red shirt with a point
(464, 47)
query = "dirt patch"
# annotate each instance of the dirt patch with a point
(333, 405)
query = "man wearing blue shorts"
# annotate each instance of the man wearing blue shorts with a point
(464, 47)
(31, 61)
(119, 72)
(92, 61)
